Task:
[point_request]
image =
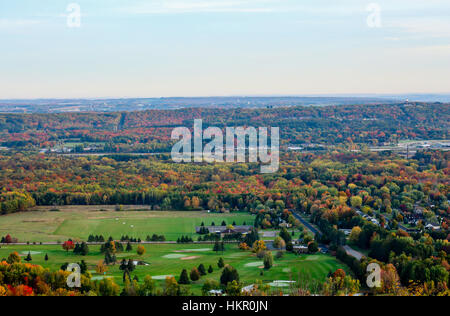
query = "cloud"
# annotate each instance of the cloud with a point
(17, 23)
(204, 6)
(421, 27)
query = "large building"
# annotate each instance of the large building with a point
(225, 230)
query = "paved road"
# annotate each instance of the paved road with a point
(308, 225)
(352, 252)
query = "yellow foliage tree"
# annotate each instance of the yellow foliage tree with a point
(354, 235)
(101, 268)
(141, 250)
(258, 246)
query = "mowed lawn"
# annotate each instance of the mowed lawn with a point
(307, 270)
(79, 223)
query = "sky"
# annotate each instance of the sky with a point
(165, 48)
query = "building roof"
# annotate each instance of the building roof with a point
(224, 229)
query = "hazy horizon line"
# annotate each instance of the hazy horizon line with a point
(331, 95)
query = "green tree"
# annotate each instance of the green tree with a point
(313, 247)
(28, 258)
(268, 260)
(209, 285)
(285, 235)
(234, 288)
(184, 278)
(129, 247)
(229, 274)
(201, 269)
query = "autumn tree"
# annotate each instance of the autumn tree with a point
(279, 243)
(13, 258)
(141, 250)
(101, 268)
(195, 274)
(354, 235)
(68, 245)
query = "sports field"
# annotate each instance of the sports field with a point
(164, 260)
(79, 222)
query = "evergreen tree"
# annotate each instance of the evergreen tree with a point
(285, 235)
(229, 274)
(28, 258)
(129, 247)
(108, 258)
(184, 278)
(210, 269)
(201, 269)
(46, 257)
(216, 246)
(221, 263)
(251, 237)
(83, 249)
(83, 267)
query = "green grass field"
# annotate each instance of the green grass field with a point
(171, 259)
(79, 222)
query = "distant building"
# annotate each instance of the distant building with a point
(224, 230)
(285, 225)
(433, 227)
(248, 289)
(216, 292)
(347, 232)
(300, 249)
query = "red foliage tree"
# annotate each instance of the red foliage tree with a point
(68, 245)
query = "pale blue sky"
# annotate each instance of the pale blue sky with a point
(153, 48)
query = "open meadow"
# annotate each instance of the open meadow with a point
(77, 223)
